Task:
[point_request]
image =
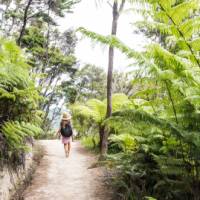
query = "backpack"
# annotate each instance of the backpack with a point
(66, 131)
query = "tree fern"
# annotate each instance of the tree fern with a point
(19, 102)
(167, 136)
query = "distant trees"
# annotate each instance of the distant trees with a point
(123, 83)
(88, 82)
(16, 15)
(52, 67)
(50, 53)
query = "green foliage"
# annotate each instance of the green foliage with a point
(122, 83)
(88, 82)
(15, 134)
(51, 64)
(12, 13)
(124, 141)
(20, 117)
(164, 119)
(111, 41)
(88, 119)
(91, 115)
(90, 141)
(49, 52)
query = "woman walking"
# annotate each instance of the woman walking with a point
(65, 131)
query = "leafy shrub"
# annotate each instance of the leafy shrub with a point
(20, 118)
(123, 142)
(160, 166)
(90, 141)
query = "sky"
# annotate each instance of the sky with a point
(98, 18)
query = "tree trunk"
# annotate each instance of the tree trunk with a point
(111, 60)
(47, 106)
(24, 22)
(116, 12)
(101, 133)
(46, 46)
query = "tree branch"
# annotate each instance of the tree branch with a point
(24, 22)
(121, 7)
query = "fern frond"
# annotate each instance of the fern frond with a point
(139, 116)
(111, 41)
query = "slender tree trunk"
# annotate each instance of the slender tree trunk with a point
(49, 82)
(111, 61)
(46, 46)
(24, 22)
(48, 36)
(116, 10)
(47, 106)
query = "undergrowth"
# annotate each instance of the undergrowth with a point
(90, 142)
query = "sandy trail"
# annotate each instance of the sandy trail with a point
(61, 178)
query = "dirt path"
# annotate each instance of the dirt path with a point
(61, 178)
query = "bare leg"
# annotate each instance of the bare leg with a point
(66, 148)
(69, 147)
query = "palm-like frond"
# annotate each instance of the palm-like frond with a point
(19, 102)
(16, 134)
(111, 41)
(120, 101)
(96, 109)
(141, 116)
(124, 141)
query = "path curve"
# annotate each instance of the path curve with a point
(61, 178)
